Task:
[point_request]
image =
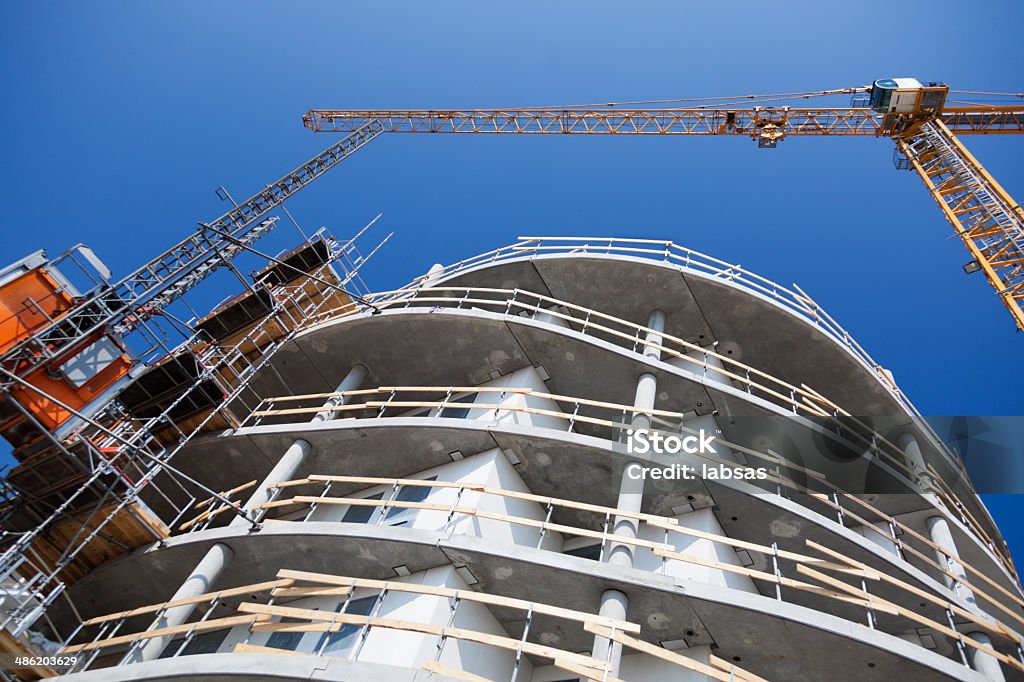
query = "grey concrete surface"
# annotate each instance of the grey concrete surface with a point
(579, 467)
(764, 633)
(565, 355)
(566, 465)
(701, 309)
(748, 326)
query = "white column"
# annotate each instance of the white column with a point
(614, 604)
(656, 323)
(985, 664)
(631, 496)
(202, 578)
(702, 362)
(915, 460)
(553, 315)
(297, 452)
(209, 568)
(433, 274)
(938, 530)
(647, 384)
(712, 364)
(878, 533)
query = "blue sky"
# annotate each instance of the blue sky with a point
(120, 119)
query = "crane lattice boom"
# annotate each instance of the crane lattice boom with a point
(983, 214)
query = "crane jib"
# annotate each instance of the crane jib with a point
(733, 121)
(986, 218)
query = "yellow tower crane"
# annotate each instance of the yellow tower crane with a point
(918, 117)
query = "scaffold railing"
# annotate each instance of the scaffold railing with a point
(611, 421)
(126, 454)
(800, 399)
(794, 299)
(258, 617)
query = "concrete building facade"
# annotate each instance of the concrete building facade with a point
(444, 490)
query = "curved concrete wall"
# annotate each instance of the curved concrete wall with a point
(710, 602)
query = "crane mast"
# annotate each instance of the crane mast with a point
(985, 217)
(914, 115)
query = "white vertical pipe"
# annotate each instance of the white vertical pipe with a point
(614, 604)
(297, 452)
(199, 581)
(941, 535)
(209, 568)
(984, 663)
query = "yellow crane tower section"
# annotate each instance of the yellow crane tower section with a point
(915, 115)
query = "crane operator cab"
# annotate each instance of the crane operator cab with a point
(907, 96)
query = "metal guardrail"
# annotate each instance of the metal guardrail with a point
(792, 574)
(264, 616)
(796, 300)
(609, 421)
(801, 399)
(130, 446)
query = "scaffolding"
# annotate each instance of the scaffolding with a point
(120, 450)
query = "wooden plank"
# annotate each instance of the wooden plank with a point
(730, 667)
(243, 648)
(583, 506)
(432, 666)
(449, 592)
(334, 622)
(584, 672)
(226, 493)
(997, 627)
(742, 544)
(522, 521)
(376, 480)
(877, 602)
(569, 530)
(198, 599)
(862, 569)
(481, 488)
(209, 514)
(296, 592)
(762, 575)
(631, 336)
(15, 647)
(205, 626)
(549, 413)
(313, 615)
(913, 533)
(931, 560)
(287, 484)
(366, 502)
(659, 652)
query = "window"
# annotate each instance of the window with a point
(592, 552)
(201, 643)
(342, 643)
(286, 640)
(458, 412)
(360, 513)
(399, 516)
